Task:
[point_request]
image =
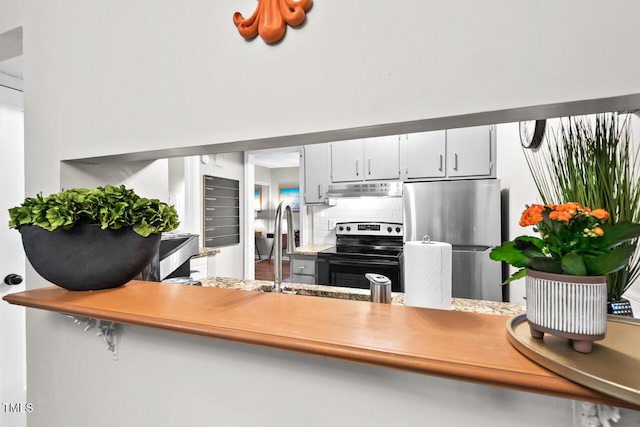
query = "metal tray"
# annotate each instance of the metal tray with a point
(613, 367)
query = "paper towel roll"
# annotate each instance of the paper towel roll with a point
(427, 274)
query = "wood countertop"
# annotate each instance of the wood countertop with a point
(461, 346)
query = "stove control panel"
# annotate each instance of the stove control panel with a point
(369, 228)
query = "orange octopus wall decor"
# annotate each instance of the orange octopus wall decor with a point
(271, 17)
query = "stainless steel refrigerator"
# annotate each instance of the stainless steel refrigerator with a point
(465, 214)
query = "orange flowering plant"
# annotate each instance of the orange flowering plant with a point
(574, 240)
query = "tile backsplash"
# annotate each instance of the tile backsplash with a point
(388, 209)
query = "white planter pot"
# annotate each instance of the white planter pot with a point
(572, 307)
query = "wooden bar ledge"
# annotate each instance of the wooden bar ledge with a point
(460, 346)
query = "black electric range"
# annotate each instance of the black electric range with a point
(361, 248)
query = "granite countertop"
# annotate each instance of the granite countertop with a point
(206, 252)
(301, 250)
(457, 304)
(311, 249)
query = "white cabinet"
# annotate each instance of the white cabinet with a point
(435, 155)
(454, 153)
(423, 155)
(365, 159)
(381, 157)
(469, 151)
(317, 172)
(346, 160)
(303, 269)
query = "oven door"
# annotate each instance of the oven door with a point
(349, 272)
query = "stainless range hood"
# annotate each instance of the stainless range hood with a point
(359, 189)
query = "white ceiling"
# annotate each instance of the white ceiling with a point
(277, 159)
(12, 66)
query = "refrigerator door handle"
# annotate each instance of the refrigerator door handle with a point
(463, 248)
(455, 161)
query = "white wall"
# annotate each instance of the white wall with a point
(388, 209)
(178, 77)
(518, 190)
(176, 80)
(229, 262)
(147, 178)
(168, 379)
(633, 293)
(11, 17)
(285, 177)
(13, 369)
(264, 218)
(177, 189)
(262, 174)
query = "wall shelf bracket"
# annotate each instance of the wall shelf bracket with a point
(109, 331)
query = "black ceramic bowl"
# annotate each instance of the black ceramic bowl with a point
(87, 257)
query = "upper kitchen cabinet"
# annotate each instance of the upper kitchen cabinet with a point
(469, 151)
(382, 157)
(365, 159)
(451, 154)
(317, 172)
(346, 160)
(423, 155)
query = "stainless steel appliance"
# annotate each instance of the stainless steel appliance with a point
(359, 189)
(176, 251)
(172, 263)
(362, 248)
(465, 214)
(380, 288)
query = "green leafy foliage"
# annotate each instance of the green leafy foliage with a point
(573, 240)
(110, 206)
(593, 161)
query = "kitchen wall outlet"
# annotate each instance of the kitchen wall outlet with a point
(331, 224)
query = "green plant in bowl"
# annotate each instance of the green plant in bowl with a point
(591, 160)
(111, 207)
(92, 239)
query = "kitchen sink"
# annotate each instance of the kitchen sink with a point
(269, 288)
(324, 291)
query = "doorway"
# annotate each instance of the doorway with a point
(269, 174)
(13, 369)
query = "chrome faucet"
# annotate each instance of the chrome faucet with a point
(277, 244)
